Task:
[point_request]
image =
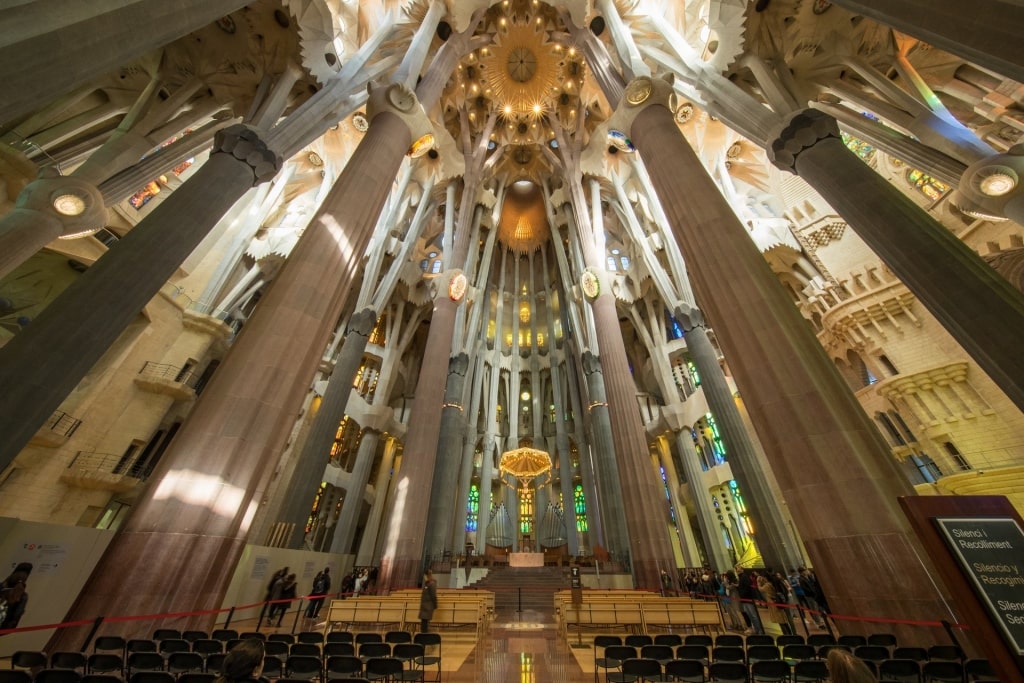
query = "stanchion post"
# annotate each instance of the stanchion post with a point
(298, 613)
(92, 633)
(231, 615)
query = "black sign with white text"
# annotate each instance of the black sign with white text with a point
(990, 552)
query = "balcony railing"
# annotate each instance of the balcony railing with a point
(104, 471)
(169, 373)
(61, 424)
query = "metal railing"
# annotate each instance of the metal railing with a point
(62, 424)
(86, 462)
(170, 373)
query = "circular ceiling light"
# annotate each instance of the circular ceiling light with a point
(525, 396)
(997, 182)
(69, 204)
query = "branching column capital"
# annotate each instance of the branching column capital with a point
(800, 130)
(244, 143)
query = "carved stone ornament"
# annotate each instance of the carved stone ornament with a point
(401, 97)
(244, 143)
(457, 286)
(590, 284)
(639, 90)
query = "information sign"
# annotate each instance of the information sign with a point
(990, 552)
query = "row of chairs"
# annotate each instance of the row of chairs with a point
(72, 676)
(646, 670)
(886, 640)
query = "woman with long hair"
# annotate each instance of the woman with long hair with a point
(243, 663)
(843, 667)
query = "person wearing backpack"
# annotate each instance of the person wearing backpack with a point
(14, 596)
(321, 586)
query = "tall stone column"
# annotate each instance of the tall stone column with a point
(663, 460)
(309, 466)
(190, 526)
(606, 474)
(718, 558)
(453, 423)
(486, 485)
(352, 506)
(43, 363)
(369, 553)
(823, 448)
(979, 308)
(778, 548)
(986, 32)
(49, 48)
(402, 566)
(642, 498)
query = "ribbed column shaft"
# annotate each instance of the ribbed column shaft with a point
(717, 557)
(643, 498)
(986, 32)
(606, 474)
(449, 455)
(44, 362)
(309, 466)
(352, 505)
(49, 48)
(823, 448)
(191, 524)
(977, 306)
(402, 563)
(778, 549)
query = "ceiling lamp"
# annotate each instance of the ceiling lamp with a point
(997, 181)
(69, 204)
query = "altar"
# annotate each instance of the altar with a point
(526, 559)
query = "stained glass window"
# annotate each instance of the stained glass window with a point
(580, 507)
(473, 508)
(716, 439)
(694, 375)
(316, 506)
(862, 149)
(926, 185)
(668, 496)
(526, 511)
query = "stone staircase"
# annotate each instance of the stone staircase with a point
(524, 593)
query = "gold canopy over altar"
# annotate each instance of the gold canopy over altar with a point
(526, 465)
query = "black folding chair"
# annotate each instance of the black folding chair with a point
(810, 670)
(670, 639)
(303, 667)
(185, 662)
(281, 638)
(340, 637)
(344, 666)
(387, 669)
(224, 634)
(58, 676)
(942, 671)
(695, 652)
(685, 670)
(760, 639)
(69, 660)
(166, 634)
(339, 649)
(900, 671)
(728, 672)
(431, 643)
(770, 671)
(113, 644)
(28, 660)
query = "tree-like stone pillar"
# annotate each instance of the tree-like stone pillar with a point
(778, 548)
(606, 475)
(710, 529)
(49, 48)
(191, 524)
(309, 466)
(986, 32)
(43, 363)
(352, 505)
(976, 305)
(823, 448)
(402, 563)
(453, 422)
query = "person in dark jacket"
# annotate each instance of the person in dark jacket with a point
(428, 601)
(14, 596)
(748, 594)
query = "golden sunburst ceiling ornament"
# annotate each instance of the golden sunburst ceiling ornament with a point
(522, 69)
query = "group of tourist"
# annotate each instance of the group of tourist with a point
(742, 590)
